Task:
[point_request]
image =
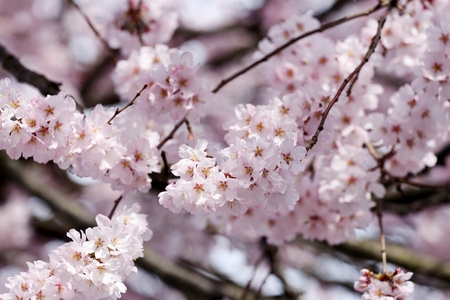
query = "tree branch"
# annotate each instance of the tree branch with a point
(11, 64)
(31, 180)
(354, 74)
(420, 264)
(184, 279)
(414, 200)
(118, 111)
(296, 39)
(399, 255)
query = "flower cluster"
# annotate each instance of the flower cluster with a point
(50, 129)
(129, 24)
(415, 123)
(198, 188)
(388, 286)
(253, 171)
(173, 87)
(311, 71)
(336, 196)
(91, 266)
(332, 202)
(404, 38)
(411, 130)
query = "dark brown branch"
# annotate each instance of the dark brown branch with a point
(191, 283)
(416, 184)
(414, 201)
(97, 34)
(395, 179)
(354, 74)
(118, 111)
(398, 254)
(116, 203)
(30, 180)
(171, 134)
(11, 64)
(294, 40)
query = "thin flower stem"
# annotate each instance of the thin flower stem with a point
(116, 203)
(171, 134)
(258, 292)
(97, 34)
(118, 111)
(353, 75)
(247, 287)
(296, 39)
(382, 236)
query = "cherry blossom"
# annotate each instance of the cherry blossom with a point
(393, 285)
(92, 265)
(259, 182)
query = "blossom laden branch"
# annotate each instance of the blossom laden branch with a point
(173, 274)
(296, 39)
(353, 76)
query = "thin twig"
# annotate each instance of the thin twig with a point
(380, 165)
(416, 184)
(118, 111)
(191, 132)
(382, 236)
(258, 292)
(170, 136)
(350, 87)
(379, 159)
(116, 203)
(174, 130)
(296, 39)
(355, 73)
(77, 216)
(11, 64)
(247, 287)
(97, 34)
